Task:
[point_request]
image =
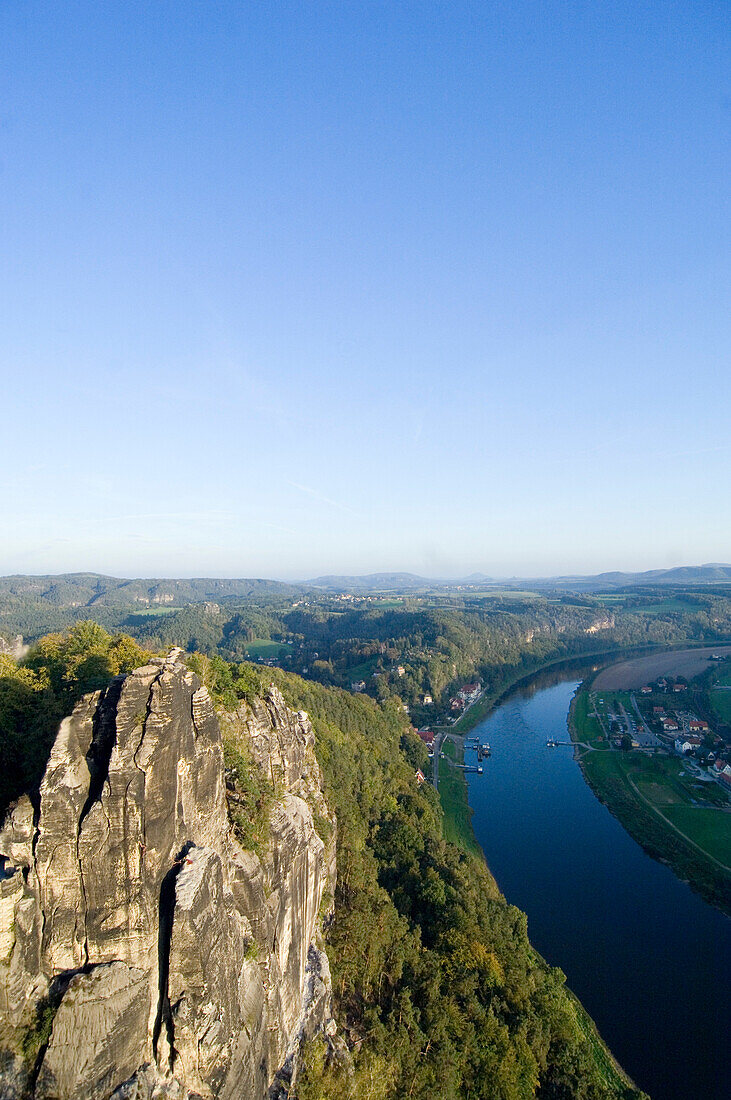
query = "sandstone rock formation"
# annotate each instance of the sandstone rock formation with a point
(142, 951)
(13, 646)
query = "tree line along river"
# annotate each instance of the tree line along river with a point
(647, 957)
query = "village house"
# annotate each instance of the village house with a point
(358, 685)
(646, 690)
(688, 743)
(427, 736)
(669, 725)
(658, 711)
(420, 777)
(400, 670)
(680, 687)
(427, 700)
(469, 692)
(696, 725)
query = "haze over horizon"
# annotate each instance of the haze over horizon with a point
(292, 290)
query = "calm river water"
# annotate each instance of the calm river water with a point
(649, 960)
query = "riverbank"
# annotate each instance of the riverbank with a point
(457, 822)
(455, 802)
(607, 773)
(487, 702)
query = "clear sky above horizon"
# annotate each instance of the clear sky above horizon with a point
(300, 288)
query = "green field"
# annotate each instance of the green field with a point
(662, 606)
(721, 703)
(666, 781)
(709, 828)
(264, 647)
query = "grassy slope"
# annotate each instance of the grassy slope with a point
(457, 823)
(721, 700)
(721, 703)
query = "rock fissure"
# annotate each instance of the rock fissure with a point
(148, 714)
(83, 897)
(166, 911)
(104, 735)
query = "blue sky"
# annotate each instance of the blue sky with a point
(294, 288)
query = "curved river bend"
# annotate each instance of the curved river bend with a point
(649, 960)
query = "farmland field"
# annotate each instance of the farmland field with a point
(642, 670)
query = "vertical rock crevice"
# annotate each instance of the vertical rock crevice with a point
(104, 736)
(166, 913)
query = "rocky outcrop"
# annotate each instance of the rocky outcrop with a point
(13, 646)
(142, 950)
(601, 622)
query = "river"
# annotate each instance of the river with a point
(648, 958)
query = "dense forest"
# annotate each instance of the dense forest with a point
(438, 990)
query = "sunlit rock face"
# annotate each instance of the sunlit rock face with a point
(142, 950)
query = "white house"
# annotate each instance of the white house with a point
(687, 744)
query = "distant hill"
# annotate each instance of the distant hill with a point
(402, 582)
(95, 590)
(713, 573)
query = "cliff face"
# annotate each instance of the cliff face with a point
(169, 959)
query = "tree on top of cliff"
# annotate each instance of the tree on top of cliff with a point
(37, 692)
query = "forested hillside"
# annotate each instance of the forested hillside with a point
(400, 646)
(407, 648)
(438, 991)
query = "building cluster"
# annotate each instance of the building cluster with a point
(689, 735)
(676, 730)
(465, 697)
